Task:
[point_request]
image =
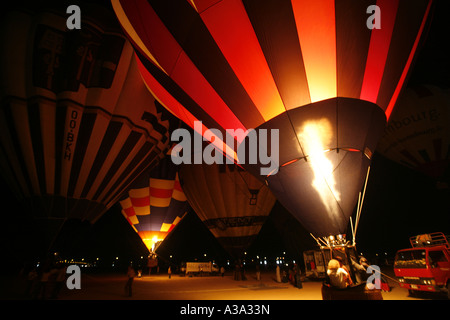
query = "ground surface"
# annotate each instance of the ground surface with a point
(160, 287)
(217, 297)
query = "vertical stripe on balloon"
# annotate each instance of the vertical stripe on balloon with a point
(317, 33)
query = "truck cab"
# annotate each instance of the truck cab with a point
(426, 265)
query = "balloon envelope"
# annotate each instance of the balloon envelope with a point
(418, 133)
(155, 204)
(231, 203)
(77, 123)
(317, 71)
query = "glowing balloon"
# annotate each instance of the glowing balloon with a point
(155, 204)
(313, 70)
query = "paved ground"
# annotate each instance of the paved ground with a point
(160, 287)
(201, 297)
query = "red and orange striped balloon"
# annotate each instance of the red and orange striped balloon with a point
(155, 204)
(311, 69)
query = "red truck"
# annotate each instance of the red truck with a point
(425, 266)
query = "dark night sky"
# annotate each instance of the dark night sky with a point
(399, 201)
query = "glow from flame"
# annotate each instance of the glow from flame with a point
(151, 242)
(315, 137)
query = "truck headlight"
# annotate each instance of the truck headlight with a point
(428, 281)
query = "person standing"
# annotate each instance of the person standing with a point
(278, 274)
(258, 272)
(297, 277)
(32, 280)
(59, 281)
(128, 286)
(44, 280)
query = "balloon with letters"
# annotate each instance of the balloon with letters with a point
(77, 123)
(418, 133)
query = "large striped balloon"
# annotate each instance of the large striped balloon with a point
(155, 204)
(315, 70)
(77, 124)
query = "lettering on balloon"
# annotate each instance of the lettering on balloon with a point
(430, 115)
(69, 142)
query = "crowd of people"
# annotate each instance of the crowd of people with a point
(44, 281)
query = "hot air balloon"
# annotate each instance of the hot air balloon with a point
(418, 134)
(155, 204)
(77, 124)
(325, 74)
(231, 202)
